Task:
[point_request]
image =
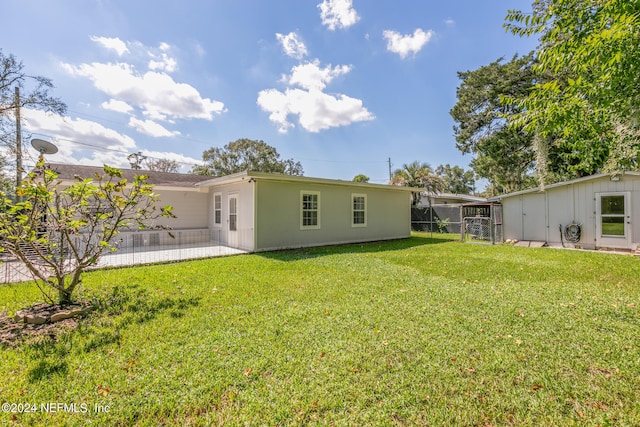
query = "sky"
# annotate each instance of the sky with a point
(342, 86)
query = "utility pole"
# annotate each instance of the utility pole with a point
(18, 141)
(389, 161)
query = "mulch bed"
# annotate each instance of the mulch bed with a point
(13, 333)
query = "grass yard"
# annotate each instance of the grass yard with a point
(413, 332)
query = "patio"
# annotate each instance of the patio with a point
(12, 270)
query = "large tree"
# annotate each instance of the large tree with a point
(163, 165)
(361, 178)
(245, 154)
(19, 90)
(502, 154)
(417, 175)
(589, 111)
(58, 232)
(456, 180)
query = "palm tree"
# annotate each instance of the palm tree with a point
(417, 175)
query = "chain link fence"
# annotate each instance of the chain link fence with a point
(436, 219)
(485, 226)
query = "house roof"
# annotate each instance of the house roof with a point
(459, 198)
(250, 175)
(563, 183)
(159, 179)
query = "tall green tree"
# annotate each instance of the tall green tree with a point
(589, 110)
(456, 180)
(503, 154)
(245, 154)
(417, 175)
(361, 178)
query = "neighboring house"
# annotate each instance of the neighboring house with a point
(257, 211)
(599, 211)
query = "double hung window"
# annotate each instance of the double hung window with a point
(359, 210)
(309, 210)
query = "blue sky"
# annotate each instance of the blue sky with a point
(339, 85)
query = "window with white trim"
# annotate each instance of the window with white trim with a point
(309, 210)
(358, 210)
(217, 209)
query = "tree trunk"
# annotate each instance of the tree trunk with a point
(64, 296)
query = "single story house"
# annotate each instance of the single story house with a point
(256, 211)
(598, 211)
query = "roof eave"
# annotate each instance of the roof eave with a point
(560, 184)
(266, 176)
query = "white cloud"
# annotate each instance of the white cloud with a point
(292, 45)
(407, 44)
(89, 143)
(315, 109)
(151, 128)
(449, 22)
(338, 13)
(186, 163)
(311, 76)
(111, 43)
(164, 63)
(156, 93)
(81, 141)
(117, 106)
(81, 130)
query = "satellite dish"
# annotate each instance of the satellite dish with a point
(44, 147)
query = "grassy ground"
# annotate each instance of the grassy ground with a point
(413, 332)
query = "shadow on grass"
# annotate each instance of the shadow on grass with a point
(130, 306)
(122, 308)
(46, 369)
(353, 248)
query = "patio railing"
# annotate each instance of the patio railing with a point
(149, 247)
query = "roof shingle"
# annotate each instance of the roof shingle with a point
(165, 179)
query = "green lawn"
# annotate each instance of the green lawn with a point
(413, 332)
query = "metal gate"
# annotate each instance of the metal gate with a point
(485, 226)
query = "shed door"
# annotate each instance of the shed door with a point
(613, 220)
(534, 218)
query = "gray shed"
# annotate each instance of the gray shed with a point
(598, 211)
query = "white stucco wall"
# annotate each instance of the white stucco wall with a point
(243, 237)
(191, 208)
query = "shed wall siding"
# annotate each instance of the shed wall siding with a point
(278, 215)
(562, 205)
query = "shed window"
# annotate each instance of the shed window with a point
(612, 215)
(309, 210)
(359, 210)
